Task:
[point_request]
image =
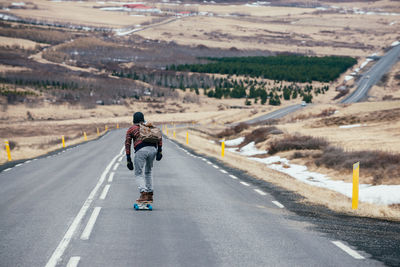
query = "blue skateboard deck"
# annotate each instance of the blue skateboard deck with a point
(143, 206)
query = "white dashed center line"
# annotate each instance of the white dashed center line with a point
(62, 246)
(89, 227)
(278, 204)
(111, 177)
(115, 166)
(73, 261)
(215, 166)
(105, 191)
(348, 250)
(223, 171)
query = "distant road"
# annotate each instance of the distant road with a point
(276, 114)
(373, 75)
(370, 78)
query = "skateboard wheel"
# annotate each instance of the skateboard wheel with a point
(135, 206)
(150, 207)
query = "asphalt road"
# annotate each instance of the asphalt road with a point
(75, 207)
(274, 115)
(373, 75)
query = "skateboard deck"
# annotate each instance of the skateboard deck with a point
(143, 206)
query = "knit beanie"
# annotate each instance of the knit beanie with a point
(138, 117)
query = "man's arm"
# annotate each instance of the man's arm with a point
(128, 143)
(160, 145)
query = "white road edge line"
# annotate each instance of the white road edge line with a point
(348, 250)
(73, 261)
(111, 177)
(244, 183)
(260, 192)
(277, 203)
(233, 176)
(215, 166)
(223, 171)
(20, 164)
(105, 191)
(8, 169)
(89, 226)
(59, 251)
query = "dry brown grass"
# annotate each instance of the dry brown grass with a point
(23, 43)
(332, 200)
(79, 13)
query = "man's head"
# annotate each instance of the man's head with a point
(138, 117)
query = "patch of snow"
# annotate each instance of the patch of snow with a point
(380, 194)
(348, 78)
(351, 126)
(365, 63)
(120, 33)
(250, 150)
(234, 142)
(18, 4)
(395, 43)
(114, 9)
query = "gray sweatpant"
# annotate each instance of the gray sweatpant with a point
(144, 157)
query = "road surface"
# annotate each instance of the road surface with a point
(373, 75)
(75, 208)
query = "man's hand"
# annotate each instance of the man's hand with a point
(159, 156)
(129, 162)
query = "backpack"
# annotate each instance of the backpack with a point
(149, 134)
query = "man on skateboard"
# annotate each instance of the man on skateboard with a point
(147, 143)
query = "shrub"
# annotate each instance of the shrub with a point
(378, 163)
(233, 130)
(260, 135)
(296, 142)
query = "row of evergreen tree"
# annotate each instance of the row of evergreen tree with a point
(265, 91)
(293, 68)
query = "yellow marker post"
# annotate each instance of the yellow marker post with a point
(174, 134)
(8, 150)
(98, 131)
(166, 130)
(63, 141)
(84, 136)
(117, 125)
(356, 172)
(187, 137)
(223, 148)
(106, 128)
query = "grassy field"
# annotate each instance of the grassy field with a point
(60, 80)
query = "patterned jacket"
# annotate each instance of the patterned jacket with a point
(133, 133)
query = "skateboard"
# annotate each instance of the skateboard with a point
(143, 206)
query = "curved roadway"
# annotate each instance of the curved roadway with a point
(373, 75)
